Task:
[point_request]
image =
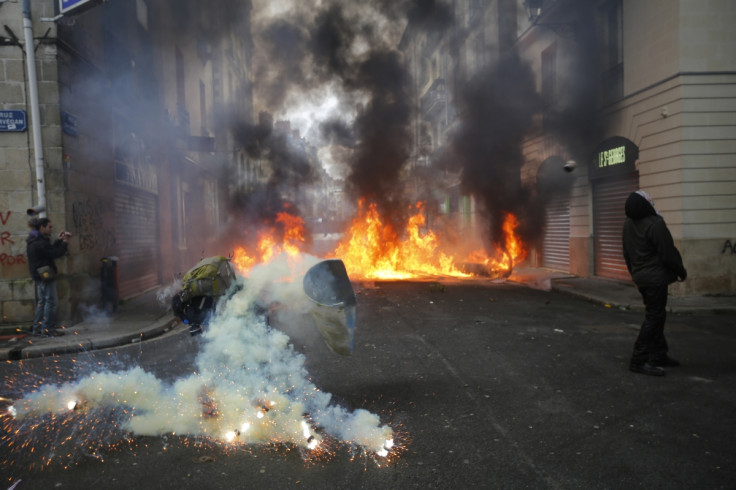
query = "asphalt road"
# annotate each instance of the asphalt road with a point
(486, 386)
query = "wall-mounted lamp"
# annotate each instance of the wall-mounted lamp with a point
(534, 11)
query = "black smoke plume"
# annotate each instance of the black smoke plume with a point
(268, 189)
(380, 134)
(372, 79)
(311, 48)
(496, 109)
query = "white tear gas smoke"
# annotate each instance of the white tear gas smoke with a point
(164, 294)
(94, 314)
(249, 387)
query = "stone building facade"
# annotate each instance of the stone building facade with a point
(664, 92)
(136, 103)
(18, 184)
(631, 95)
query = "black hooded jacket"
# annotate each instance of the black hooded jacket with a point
(41, 251)
(649, 251)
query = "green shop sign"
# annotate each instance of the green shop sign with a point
(614, 156)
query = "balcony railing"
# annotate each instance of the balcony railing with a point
(434, 101)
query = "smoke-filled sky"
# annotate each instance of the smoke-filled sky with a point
(333, 68)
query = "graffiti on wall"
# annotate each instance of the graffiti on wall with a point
(91, 225)
(728, 247)
(6, 242)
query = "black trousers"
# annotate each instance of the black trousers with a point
(650, 344)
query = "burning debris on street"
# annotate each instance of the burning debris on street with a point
(373, 250)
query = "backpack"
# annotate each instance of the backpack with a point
(212, 276)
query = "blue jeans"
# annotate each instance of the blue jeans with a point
(47, 298)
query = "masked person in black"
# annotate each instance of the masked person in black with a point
(654, 262)
(41, 254)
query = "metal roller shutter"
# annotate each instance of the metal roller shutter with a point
(556, 248)
(609, 197)
(136, 224)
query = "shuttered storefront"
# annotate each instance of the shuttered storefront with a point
(554, 186)
(136, 224)
(609, 197)
(556, 248)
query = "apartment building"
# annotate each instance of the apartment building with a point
(628, 95)
(137, 101)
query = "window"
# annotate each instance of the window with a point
(203, 108)
(182, 220)
(549, 84)
(474, 8)
(141, 10)
(180, 92)
(424, 74)
(210, 201)
(181, 104)
(549, 76)
(612, 71)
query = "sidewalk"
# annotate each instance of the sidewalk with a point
(617, 294)
(144, 317)
(141, 318)
(613, 293)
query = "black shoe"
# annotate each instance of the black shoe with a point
(647, 369)
(666, 361)
(54, 333)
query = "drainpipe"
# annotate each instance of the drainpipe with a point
(35, 112)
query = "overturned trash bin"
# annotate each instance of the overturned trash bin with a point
(327, 284)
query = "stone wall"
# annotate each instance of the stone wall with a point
(18, 161)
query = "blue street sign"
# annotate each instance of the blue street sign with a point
(67, 5)
(13, 120)
(69, 123)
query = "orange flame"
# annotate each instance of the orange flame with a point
(373, 250)
(288, 239)
(293, 233)
(504, 260)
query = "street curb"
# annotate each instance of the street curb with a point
(596, 299)
(64, 346)
(639, 307)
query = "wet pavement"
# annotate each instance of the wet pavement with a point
(146, 317)
(487, 384)
(137, 320)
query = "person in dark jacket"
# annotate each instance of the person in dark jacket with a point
(41, 253)
(654, 262)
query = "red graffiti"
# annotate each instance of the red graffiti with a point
(6, 259)
(5, 218)
(5, 238)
